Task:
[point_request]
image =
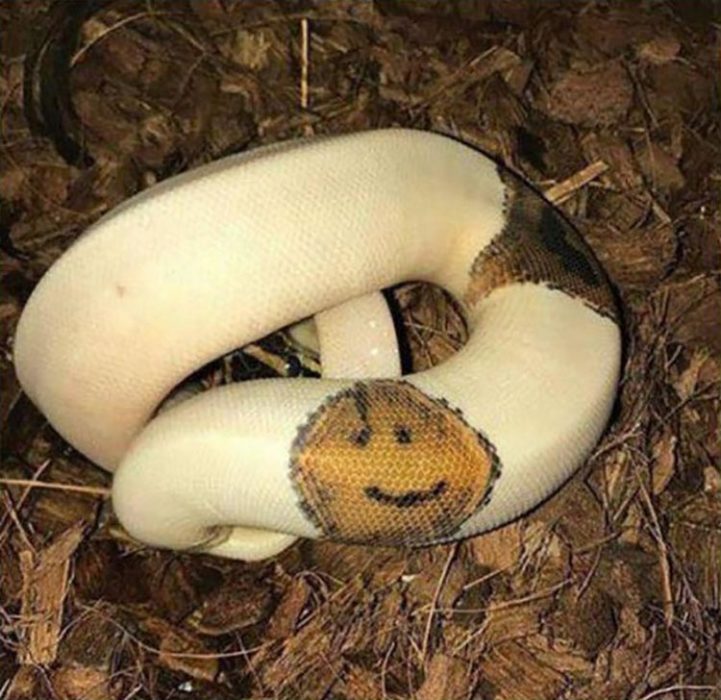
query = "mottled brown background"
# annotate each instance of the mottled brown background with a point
(612, 589)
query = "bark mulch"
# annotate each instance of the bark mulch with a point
(611, 589)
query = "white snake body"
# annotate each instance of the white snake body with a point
(216, 258)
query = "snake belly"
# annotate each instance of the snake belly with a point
(215, 258)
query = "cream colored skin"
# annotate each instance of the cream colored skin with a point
(221, 256)
(357, 340)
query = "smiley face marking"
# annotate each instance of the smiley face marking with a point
(383, 462)
(402, 434)
(407, 499)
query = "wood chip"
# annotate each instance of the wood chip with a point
(446, 678)
(45, 585)
(660, 168)
(78, 683)
(563, 190)
(514, 673)
(659, 50)
(181, 650)
(664, 461)
(599, 96)
(498, 549)
(239, 603)
(615, 105)
(283, 622)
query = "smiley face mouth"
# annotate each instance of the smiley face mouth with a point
(408, 499)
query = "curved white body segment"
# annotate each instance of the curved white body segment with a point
(228, 253)
(357, 340)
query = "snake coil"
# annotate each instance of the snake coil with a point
(218, 257)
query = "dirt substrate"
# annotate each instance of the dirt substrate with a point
(612, 589)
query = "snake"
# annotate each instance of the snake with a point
(226, 253)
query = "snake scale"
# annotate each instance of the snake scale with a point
(217, 257)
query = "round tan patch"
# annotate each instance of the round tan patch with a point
(538, 245)
(383, 463)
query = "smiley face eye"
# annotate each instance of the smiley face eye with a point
(362, 437)
(403, 434)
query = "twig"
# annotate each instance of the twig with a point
(80, 53)
(305, 50)
(13, 517)
(434, 602)
(663, 555)
(175, 654)
(23, 497)
(563, 190)
(502, 605)
(677, 688)
(305, 70)
(31, 484)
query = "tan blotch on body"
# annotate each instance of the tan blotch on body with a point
(384, 463)
(538, 245)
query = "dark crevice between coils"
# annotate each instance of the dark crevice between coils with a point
(404, 348)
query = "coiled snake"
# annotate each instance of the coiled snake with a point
(220, 256)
